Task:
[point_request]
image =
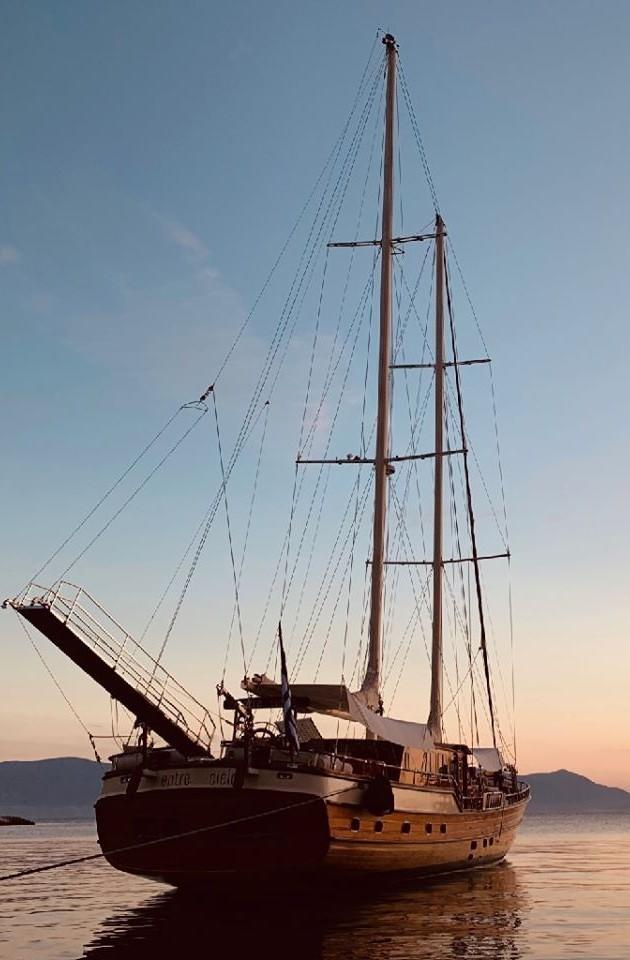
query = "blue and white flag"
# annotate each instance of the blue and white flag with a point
(290, 726)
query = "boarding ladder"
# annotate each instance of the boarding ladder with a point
(82, 629)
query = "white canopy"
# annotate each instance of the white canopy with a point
(488, 758)
(330, 699)
(334, 699)
(404, 732)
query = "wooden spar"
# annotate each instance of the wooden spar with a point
(371, 682)
(435, 710)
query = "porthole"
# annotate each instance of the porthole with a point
(485, 842)
(442, 828)
(428, 828)
(355, 824)
(470, 856)
(473, 844)
(378, 826)
(405, 827)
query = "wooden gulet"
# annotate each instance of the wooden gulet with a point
(398, 800)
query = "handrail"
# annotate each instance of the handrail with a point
(69, 603)
(362, 766)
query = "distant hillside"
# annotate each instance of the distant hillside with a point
(63, 788)
(566, 792)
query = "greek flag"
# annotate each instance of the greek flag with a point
(290, 726)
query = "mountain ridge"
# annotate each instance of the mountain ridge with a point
(563, 791)
(56, 788)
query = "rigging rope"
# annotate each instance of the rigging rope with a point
(354, 540)
(137, 490)
(209, 519)
(176, 836)
(235, 576)
(330, 217)
(306, 264)
(327, 580)
(412, 568)
(359, 314)
(418, 136)
(107, 493)
(329, 160)
(246, 538)
(471, 516)
(298, 289)
(346, 168)
(59, 687)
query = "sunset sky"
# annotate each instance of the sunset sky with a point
(155, 157)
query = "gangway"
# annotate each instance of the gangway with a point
(83, 630)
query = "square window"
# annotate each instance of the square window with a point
(355, 824)
(405, 827)
(473, 844)
(378, 826)
(442, 828)
(428, 828)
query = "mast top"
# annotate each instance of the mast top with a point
(390, 41)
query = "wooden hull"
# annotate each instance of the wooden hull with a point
(191, 834)
(457, 841)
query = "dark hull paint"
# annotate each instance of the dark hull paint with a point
(273, 832)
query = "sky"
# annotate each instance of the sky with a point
(155, 157)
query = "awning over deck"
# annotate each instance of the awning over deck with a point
(330, 699)
(488, 758)
(335, 700)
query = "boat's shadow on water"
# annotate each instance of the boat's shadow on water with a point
(475, 915)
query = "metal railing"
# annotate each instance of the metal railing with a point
(354, 766)
(82, 614)
(485, 799)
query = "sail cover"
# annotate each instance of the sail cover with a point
(488, 758)
(335, 700)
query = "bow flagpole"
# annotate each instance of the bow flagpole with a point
(290, 726)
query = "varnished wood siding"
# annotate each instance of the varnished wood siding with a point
(461, 845)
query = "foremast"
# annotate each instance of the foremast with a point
(371, 683)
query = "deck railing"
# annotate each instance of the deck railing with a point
(82, 614)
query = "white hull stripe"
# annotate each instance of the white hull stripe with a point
(406, 799)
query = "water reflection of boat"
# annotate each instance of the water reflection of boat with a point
(475, 915)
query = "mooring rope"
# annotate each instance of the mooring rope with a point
(176, 836)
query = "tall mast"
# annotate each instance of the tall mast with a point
(381, 467)
(435, 711)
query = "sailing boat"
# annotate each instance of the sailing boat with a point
(398, 798)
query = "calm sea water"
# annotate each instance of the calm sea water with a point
(563, 893)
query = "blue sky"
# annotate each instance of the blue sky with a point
(155, 156)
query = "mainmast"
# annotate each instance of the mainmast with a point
(381, 467)
(435, 711)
